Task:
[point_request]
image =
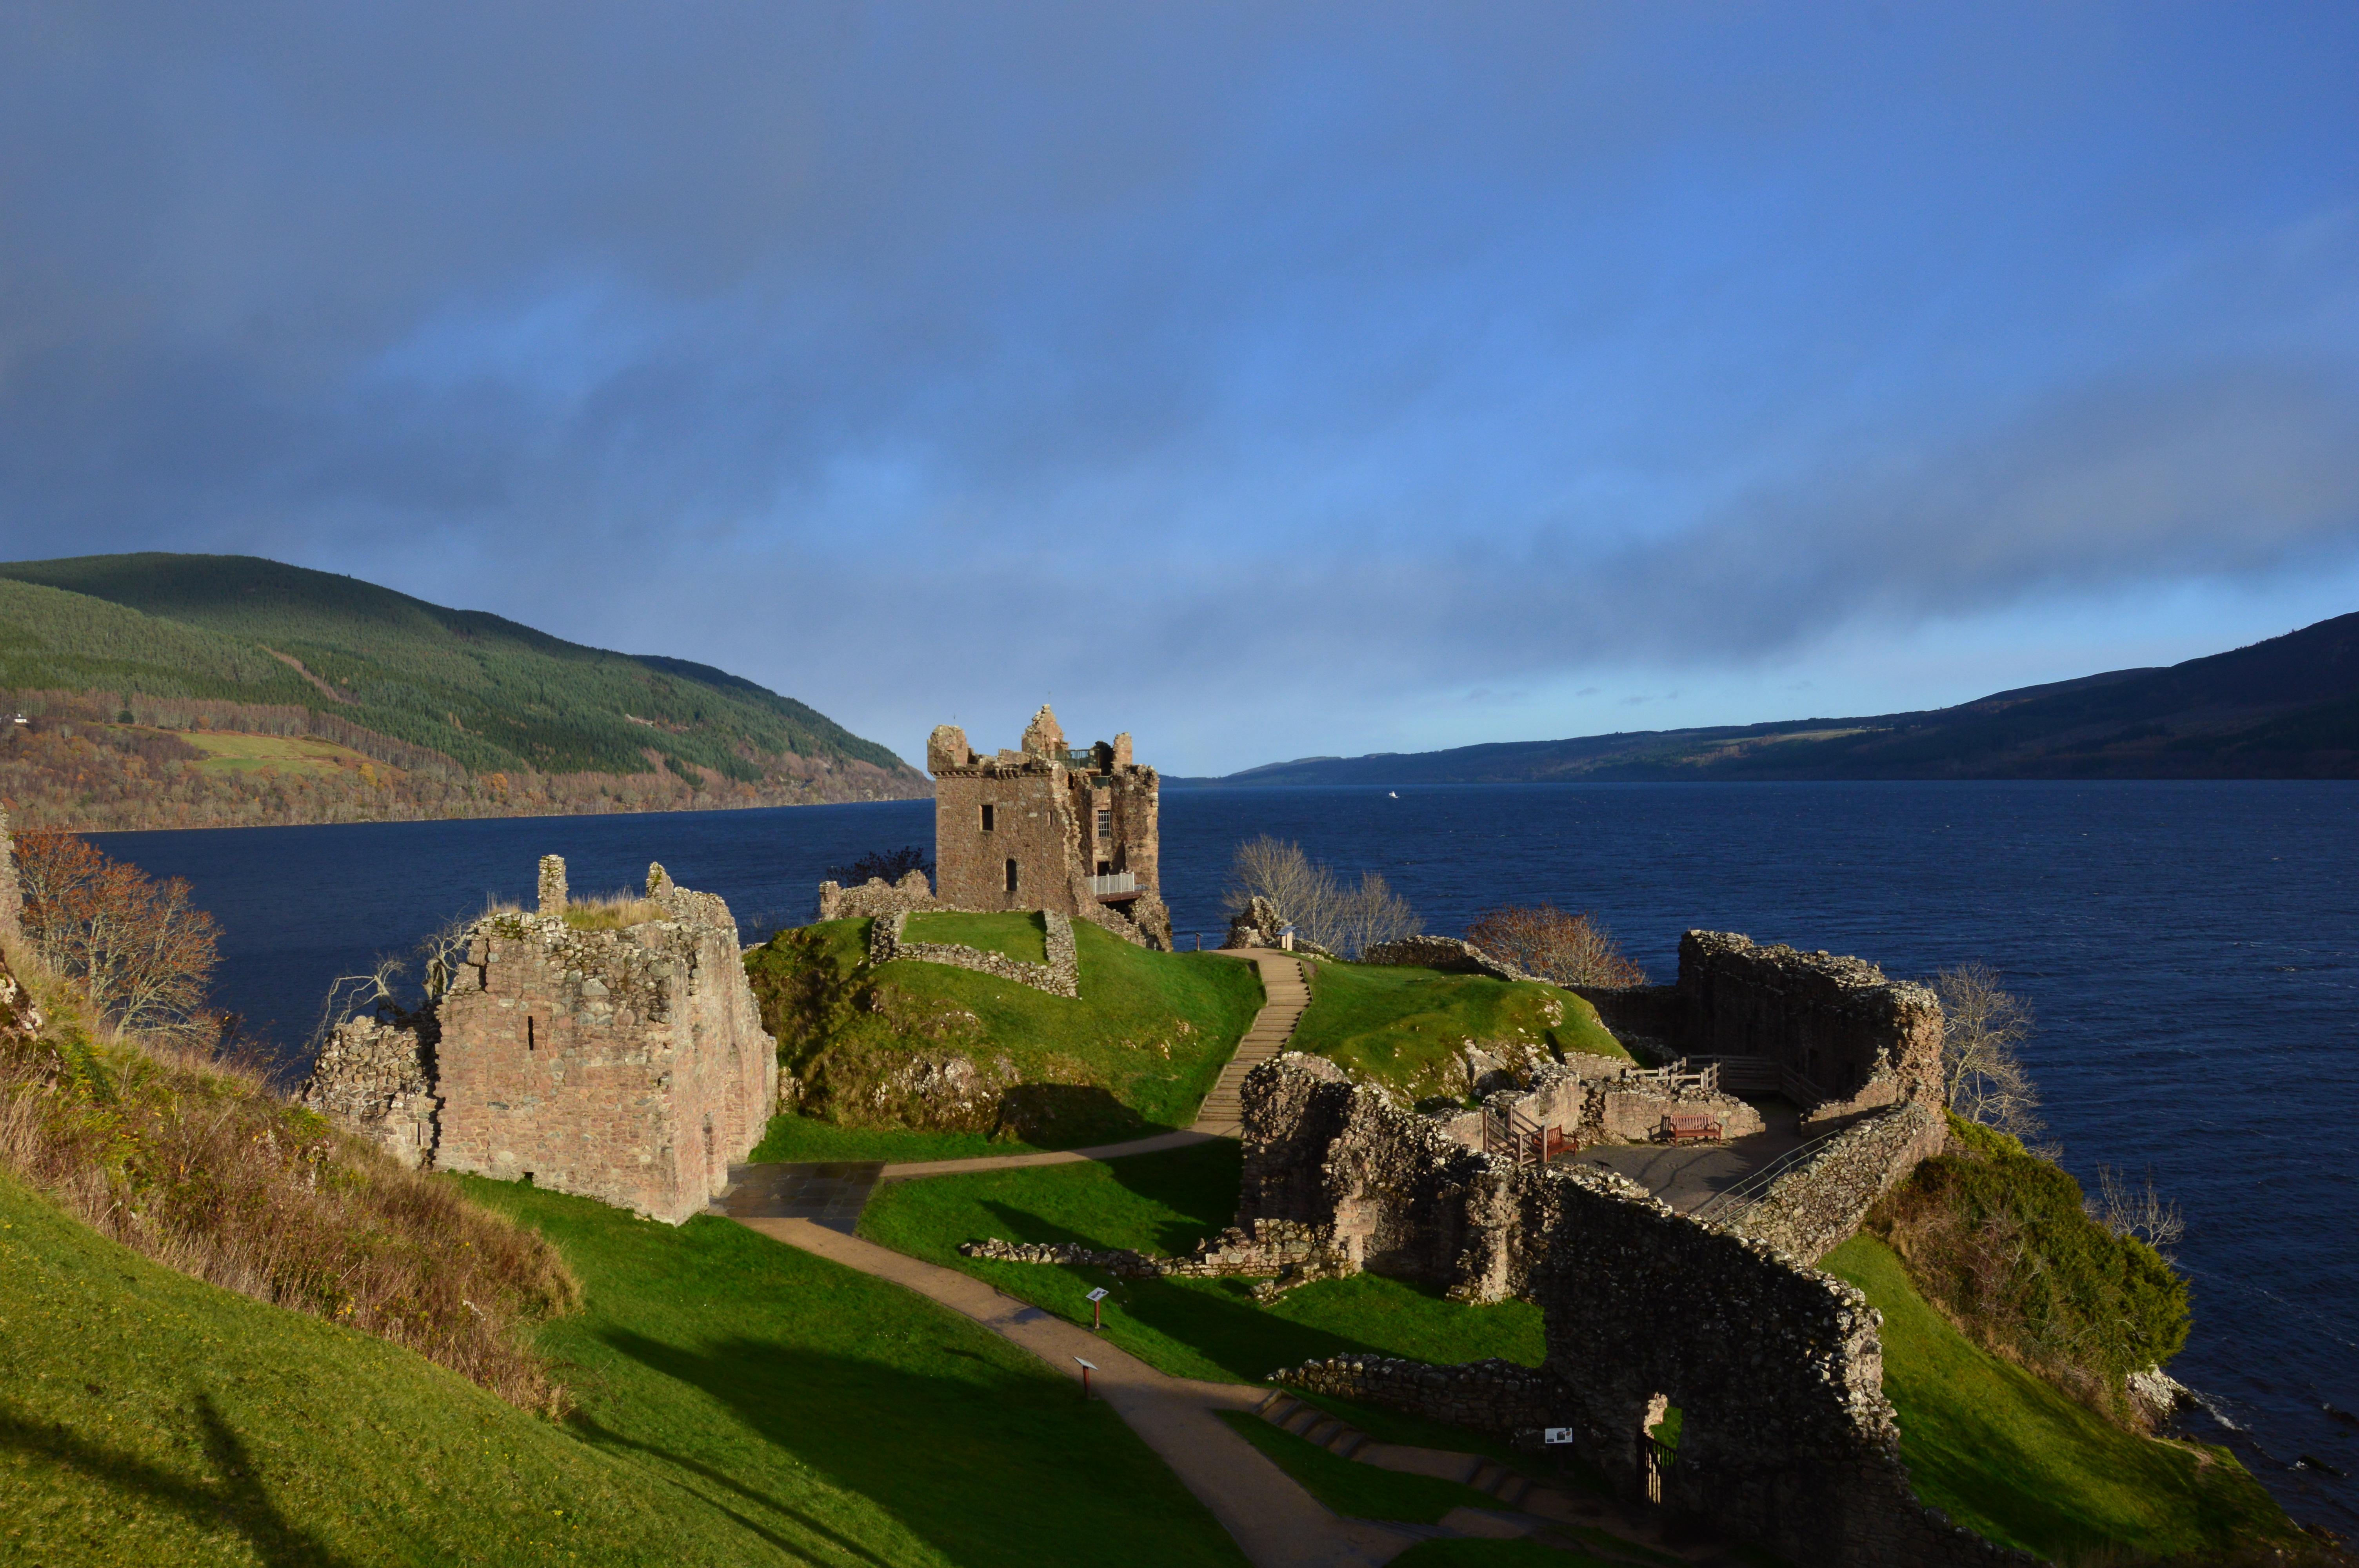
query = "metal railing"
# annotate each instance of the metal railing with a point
(1732, 1201)
(1118, 882)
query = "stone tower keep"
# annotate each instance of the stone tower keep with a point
(1049, 826)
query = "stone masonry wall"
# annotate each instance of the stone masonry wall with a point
(1484, 1395)
(376, 1076)
(878, 899)
(1812, 1208)
(627, 1065)
(1060, 976)
(1778, 1370)
(1447, 954)
(12, 901)
(1835, 1024)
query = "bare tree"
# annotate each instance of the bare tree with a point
(1982, 1028)
(1570, 949)
(2140, 1211)
(1309, 897)
(141, 950)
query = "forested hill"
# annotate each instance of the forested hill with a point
(166, 689)
(2288, 708)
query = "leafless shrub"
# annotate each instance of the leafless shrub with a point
(1307, 896)
(141, 952)
(2130, 1209)
(1982, 1028)
(1570, 949)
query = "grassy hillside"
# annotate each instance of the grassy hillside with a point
(1404, 1028)
(1135, 1054)
(174, 638)
(2005, 1453)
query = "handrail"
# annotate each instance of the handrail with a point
(1732, 1201)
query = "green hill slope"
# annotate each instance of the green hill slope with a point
(741, 1404)
(456, 693)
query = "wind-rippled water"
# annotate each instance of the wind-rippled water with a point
(2191, 949)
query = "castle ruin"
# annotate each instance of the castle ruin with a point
(628, 1064)
(1070, 831)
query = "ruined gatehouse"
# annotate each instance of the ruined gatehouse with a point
(1049, 826)
(628, 1064)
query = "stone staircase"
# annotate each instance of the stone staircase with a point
(1223, 1113)
(1310, 1423)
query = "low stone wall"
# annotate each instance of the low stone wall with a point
(1060, 976)
(376, 1076)
(1293, 1254)
(1817, 1204)
(1484, 1396)
(1447, 954)
(1787, 1437)
(878, 899)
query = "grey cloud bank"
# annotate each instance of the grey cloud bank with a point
(1553, 346)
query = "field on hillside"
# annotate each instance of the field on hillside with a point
(1197, 1328)
(2007, 1455)
(742, 1403)
(1404, 1028)
(1135, 1054)
(230, 753)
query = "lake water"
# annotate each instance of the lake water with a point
(2191, 949)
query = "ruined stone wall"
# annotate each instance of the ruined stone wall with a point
(1447, 954)
(626, 1065)
(1787, 1437)
(1648, 1020)
(878, 899)
(1060, 976)
(12, 901)
(1484, 1395)
(1819, 1204)
(1845, 1037)
(376, 1077)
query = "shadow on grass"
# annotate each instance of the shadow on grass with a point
(1066, 1116)
(991, 1470)
(235, 1502)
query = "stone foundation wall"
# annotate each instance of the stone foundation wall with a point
(12, 900)
(1294, 1254)
(878, 899)
(376, 1077)
(1484, 1396)
(1834, 1025)
(1819, 1204)
(626, 1065)
(1447, 954)
(1060, 976)
(1787, 1437)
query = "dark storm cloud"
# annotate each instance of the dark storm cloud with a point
(1412, 349)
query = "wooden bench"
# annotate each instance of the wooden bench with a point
(1691, 1126)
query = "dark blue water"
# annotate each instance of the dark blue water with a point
(2193, 950)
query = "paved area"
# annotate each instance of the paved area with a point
(832, 1194)
(1276, 1523)
(1687, 1177)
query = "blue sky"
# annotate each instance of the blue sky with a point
(1265, 380)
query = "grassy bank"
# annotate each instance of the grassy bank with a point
(1135, 1054)
(1201, 1328)
(1405, 1027)
(2005, 1453)
(1022, 936)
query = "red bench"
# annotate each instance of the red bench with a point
(1691, 1126)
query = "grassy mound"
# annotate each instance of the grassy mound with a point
(842, 1418)
(1197, 1328)
(2005, 1453)
(1135, 1054)
(1403, 1028)
(147, 1418)
(1019, 936)
(1999, 1238)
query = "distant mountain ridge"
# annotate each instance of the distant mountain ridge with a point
(455, 712)
(2287, 707)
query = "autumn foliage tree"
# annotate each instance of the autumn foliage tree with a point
(1568, 950)
(140, 949)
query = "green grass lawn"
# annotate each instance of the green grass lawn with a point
(1401, 1025)
(1199, 1328)
(806, 1138)
(741, 1404)
(145, 1418)
(1361, 1491)
(2008, 1455)
(1135, 1054)
(1018, 935)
